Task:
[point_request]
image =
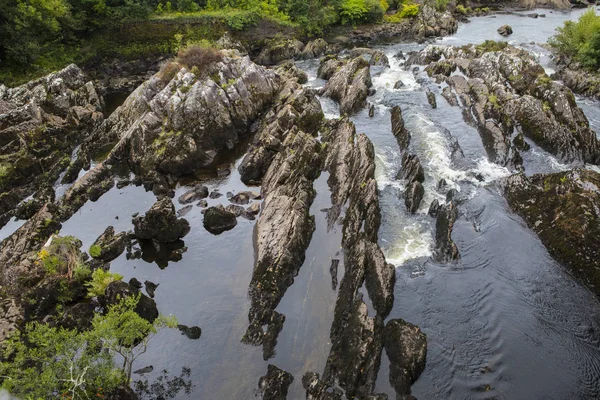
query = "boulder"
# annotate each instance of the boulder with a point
(274, 385)
(406, 348)
(411, 169)
(399, 84)
(109, 246)
(160, 223)
(218, 220)
(431, 99)
(315, 48)
(350, 86)
(398, 130)
(449, 96)
(329, 66)
(278, 49)
(505, 30)
(197, 193)
(413, 195)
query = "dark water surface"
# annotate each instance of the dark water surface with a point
(506, 322)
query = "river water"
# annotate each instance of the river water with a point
(506, 322)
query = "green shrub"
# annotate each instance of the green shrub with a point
(463, 10)
(409, 10)
(375, 10)
(82, 272)
(441, 5)
(95, 251)
(352, 11)
(491, 45)
(100, 281)
(580, 40)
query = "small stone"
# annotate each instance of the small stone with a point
(185, 210)
(202, 203)
(254, 208)
(218, 220)
(399, 85)
(215, 194)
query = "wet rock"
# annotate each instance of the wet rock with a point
(398, 130)
(411, 169)
(282, 232)
(316, 389)
(254, 209)
(449, 96)
(378, 58)
(191, 332)
(195, 194)
(182, 212)
(145, 370)
(160, 223)
(445, 248)
(269, 339)
(434, 208)
(452, 195)
(150, 288)
(240, 198)
(135, 283)
(329, 66)
(371, 110)
(333, 270)
(350, 86)
(202, 203)
(109, 246)
(413, 196)
(445, 68)
(279, 49)
(215, 194)
(399, 85)
(441, 184)
(274, 385)
(520, 143)
(406, 348)
(505, 30)
(118, 290)
(289, 69)
(218, 220)
(431, 99)
(563, 209)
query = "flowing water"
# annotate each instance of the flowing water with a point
(506, 322)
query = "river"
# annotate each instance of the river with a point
(506, 322)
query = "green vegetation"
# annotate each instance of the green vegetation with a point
(408, 10)
(62, 256)
(100, 281)
(580, 40)
(95, 250)
(463, 10)
(491, 45)
(49, 362)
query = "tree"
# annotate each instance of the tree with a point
(48, 362)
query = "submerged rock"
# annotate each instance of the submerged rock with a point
(160, 223)
(218, 220)
(564, 210)
(505, 30)
(197, 193)
(406, 348)
(274, 385)
(431, 99)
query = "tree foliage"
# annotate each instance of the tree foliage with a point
(51, 362)
(580, 40)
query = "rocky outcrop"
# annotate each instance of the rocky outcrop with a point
(274, 385)
(414, 175)
(431, 99)
(109, 246)
(281, 234)
(564, 210)
(279, 49)
(218, 220)
(177, 124)
(506, 90)
(295, 108)
(406, 348)
(375, 57)
(432, 23)
(576, 77)
(317, 48)
(505, 30)
(160, 223)
(349, 86)
(41, 122)
(445, 248)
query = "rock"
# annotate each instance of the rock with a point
(254, 209)
(398, 130)
(121, 393)
(195, 194)
(563, 209)
(145, 370)
(378, 58)
(218, 220)
(11, 317)
(520, 143)
(451, 195)
(240, 198)
(371, 110)
(406, 348)
(350, 86)
(444, 67)
(434, 208)
(191, 332)
(333, 270)
(432, 23)
(329, 66)
(441, 184)
(228, 42)
(202, 203)
(160, 223)
(118, 290)
(215, 194)
(235, 209)
(505, 30)
(449, 96)
(411, 169)
(150, 288)
(399, 85)
(413, 196)
(289, 69)
(445, 248)
(135, 283)
(274, 385)
(282, 234)
(79, 316)
(316, 389)
(277, 50)
(431, 99)
(109, 246)
(315, 48)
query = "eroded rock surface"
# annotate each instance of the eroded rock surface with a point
(349, 86)
(160, 223)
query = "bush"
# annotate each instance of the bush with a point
(409, 11)
(100, 281)
(168, 71)
(61, 256)
(352, 11)
(580, 40)
(441, 5)
(202, 57)
(463, 10)
(375, 10)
